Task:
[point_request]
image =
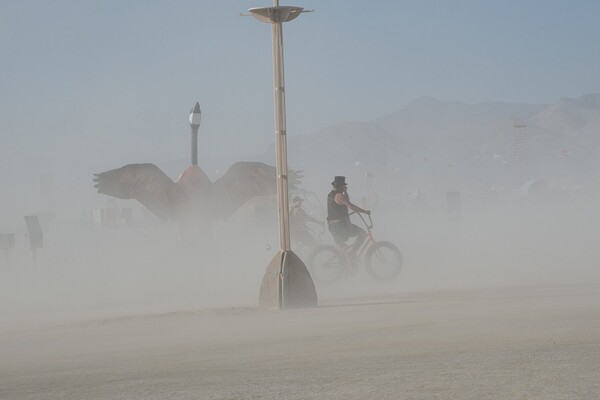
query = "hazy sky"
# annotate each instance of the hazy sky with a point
(108, 72)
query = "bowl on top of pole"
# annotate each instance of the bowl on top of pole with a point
(287, 282)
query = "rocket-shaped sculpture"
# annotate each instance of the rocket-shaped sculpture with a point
(195, 116)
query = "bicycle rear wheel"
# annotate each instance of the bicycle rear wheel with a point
(383, 261)
(326, 263)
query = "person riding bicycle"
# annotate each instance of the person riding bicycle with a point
(338, 217)
(298, 223)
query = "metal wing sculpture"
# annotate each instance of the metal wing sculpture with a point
(193, 191)
(145, 183)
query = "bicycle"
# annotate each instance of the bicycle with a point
(382, 260)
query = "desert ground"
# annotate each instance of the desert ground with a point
(491, 308)
(517, 343)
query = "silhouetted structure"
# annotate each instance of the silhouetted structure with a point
(193, 194)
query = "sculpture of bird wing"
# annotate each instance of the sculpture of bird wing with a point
(242, 181)
(145, 183)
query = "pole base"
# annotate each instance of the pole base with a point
(287, 284)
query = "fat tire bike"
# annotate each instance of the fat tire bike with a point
(382, 260)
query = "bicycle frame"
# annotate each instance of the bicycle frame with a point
(382, 260)
(369, 240)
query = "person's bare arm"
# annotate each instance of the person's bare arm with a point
(343, 199)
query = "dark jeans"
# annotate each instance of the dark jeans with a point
(344, 230)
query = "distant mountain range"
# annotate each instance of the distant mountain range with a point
(445, 144)
(429, 146)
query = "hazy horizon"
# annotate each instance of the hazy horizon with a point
(91, 86)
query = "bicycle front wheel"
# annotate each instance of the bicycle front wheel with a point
(326, 263)
(383, 261)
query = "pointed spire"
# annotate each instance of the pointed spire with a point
(195, 115)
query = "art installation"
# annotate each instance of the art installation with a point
(193, 194)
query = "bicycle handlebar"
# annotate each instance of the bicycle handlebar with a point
(368, 225)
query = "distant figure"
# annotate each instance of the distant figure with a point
(299, 219)
(338, 218)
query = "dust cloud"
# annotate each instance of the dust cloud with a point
(116, 304)
(127, 261)
(132, 269)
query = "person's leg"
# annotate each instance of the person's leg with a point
(336, 231)
(359, 234)
(339, 231)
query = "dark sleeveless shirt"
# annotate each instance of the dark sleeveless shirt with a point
(336, 211)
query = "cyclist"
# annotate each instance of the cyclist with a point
(338, 218)
(298, 223)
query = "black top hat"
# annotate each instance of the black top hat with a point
(339, 181)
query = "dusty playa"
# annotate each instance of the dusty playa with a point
(471, 130)
(517, 343)
(500, 306)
